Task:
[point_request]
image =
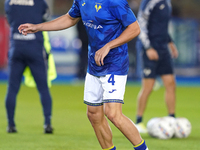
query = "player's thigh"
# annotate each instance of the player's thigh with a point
(114, 88)
(95, 112)
(93, 91)
(149, 67)
(16, 68)
(39, 68)
(112, 110)
(165, 66)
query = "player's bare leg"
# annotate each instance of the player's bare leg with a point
(147, 87)
(100, 125)
(113, 111)
(170, 92)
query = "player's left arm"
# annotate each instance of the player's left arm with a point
(47, 15)
(173, 49)
(131, 31)
(6, 13)
(7, 20)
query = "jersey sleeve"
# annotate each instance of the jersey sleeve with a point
(47, 14)
(143, 18)
(6, 9)
(122, 12)
(74, 10)
(169, 38)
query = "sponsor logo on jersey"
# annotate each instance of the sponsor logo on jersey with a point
(98, 6)
(22, 2)
(91, 25)
(17, 36)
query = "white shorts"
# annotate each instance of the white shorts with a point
(105, 89)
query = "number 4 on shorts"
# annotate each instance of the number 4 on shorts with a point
(111, 79)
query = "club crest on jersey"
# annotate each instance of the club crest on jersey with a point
(98, 6)
(83, 2)
(22, 2)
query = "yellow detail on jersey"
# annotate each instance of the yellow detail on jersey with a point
(98, 6)
(83, 4)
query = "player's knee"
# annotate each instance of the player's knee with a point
(170, 85)
(114, 118)
(90, 115)
(94, 117)
(146, 91)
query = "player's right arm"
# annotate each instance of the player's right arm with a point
(60, 23)
(143, 18)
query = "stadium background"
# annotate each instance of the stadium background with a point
(184, 29)
(72, 128)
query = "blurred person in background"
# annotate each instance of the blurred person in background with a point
(157, 50)
(27, 51)
(109, 25)
(83, 56)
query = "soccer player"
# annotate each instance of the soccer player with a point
(27, 51)
(109, 25)
(155, 42)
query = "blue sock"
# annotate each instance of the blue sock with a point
(141, 146)
(139, 119)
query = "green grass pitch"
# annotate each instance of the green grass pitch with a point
(72, 128)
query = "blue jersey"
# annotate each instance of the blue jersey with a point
(104, 21)
(24, 11)
(153, 17)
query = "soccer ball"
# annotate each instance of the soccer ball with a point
(171, 120)
(161, 128)
(168, 127)
(151, 124)
(182, 128)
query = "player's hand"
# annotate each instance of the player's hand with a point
(152, 54)
(101, 54)
(27, 28)
(174, 53)
(173, 50)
